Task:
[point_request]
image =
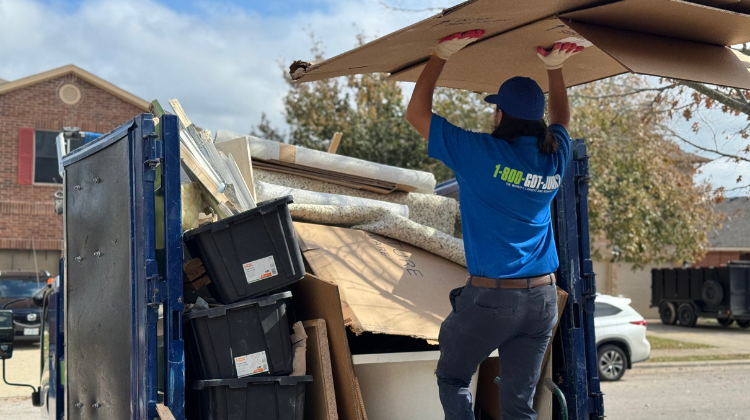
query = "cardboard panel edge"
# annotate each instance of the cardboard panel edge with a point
(668, 57)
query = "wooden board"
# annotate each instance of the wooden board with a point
(351, 181)
(320, 398)
(318, 299)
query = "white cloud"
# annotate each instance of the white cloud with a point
(222, 64)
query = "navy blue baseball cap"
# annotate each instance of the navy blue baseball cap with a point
(520, 97)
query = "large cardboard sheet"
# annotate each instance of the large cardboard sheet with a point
(413, 44)
(484, 67)
(670, 38)
(670, 18)
(669, 57)
(386, 286)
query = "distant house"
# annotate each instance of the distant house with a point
(33, 110)
(732, 241)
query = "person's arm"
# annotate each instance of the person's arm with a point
(559, 109)
(419, 111)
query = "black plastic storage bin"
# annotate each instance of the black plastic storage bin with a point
(233, 341)
(249, 254)
(263, 398)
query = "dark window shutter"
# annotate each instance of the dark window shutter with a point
(25, 156)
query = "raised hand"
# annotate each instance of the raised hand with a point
(554, 58)
(451, 44)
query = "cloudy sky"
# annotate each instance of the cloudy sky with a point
(222, 59)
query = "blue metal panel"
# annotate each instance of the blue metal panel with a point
(56, 350)
(174, 375)
(145, 165)
(114, 186)
(578, 373)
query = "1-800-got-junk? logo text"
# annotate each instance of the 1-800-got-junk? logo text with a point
(531, 182)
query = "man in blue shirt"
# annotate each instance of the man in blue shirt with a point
(507, 181)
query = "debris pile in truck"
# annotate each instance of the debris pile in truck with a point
(361, 317)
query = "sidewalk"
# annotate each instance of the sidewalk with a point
(683, 365)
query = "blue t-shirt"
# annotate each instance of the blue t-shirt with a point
(505, 193)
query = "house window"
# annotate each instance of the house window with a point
(45, 156)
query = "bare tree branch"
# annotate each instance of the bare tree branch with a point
(741, 187)
(736, 157)
(632, 92)
(717, 96)
(740, 95)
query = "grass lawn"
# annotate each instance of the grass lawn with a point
(658, 343)
(701, 358)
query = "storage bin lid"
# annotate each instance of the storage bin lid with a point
(222, 310)
(252, 380)
(262, 208)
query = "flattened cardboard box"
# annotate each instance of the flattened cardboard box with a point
(669, 38)
(386, 286)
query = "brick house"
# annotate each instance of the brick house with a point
(33, 110)
(732, 241)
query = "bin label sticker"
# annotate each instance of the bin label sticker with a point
(260, 269)
(251, 364)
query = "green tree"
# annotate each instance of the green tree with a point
(643, 200)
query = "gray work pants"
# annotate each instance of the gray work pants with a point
(516, 322)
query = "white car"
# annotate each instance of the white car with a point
(620, 336)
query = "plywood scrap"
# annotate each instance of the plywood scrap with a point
(320, 401)
(319, 299)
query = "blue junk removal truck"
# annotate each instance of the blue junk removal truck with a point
(113, 334)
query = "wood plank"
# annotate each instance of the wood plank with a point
(332, 174)
(320, 399)
(314, 299)
(333, 180)
(335, 142)
(177, 108)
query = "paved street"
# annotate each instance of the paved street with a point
(22, 368)
(18, 408)
(683, 391)
(707, 392)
